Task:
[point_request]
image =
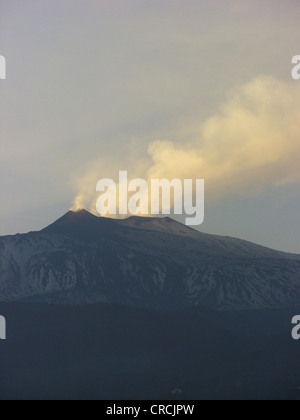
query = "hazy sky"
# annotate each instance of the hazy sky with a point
(161, 88)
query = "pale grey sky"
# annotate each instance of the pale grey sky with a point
(87, 78)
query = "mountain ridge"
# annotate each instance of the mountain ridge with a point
(144, 262)
(140, 223)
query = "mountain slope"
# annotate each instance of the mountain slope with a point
(155, 263)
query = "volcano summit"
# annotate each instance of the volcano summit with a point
(144, 262)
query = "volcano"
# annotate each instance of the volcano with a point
(138, 309)
(154, 263)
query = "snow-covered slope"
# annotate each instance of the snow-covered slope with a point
(155, 263)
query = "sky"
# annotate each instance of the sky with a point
(168, 88)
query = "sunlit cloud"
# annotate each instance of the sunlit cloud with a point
(252, 142)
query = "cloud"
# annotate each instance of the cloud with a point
(253, 142)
